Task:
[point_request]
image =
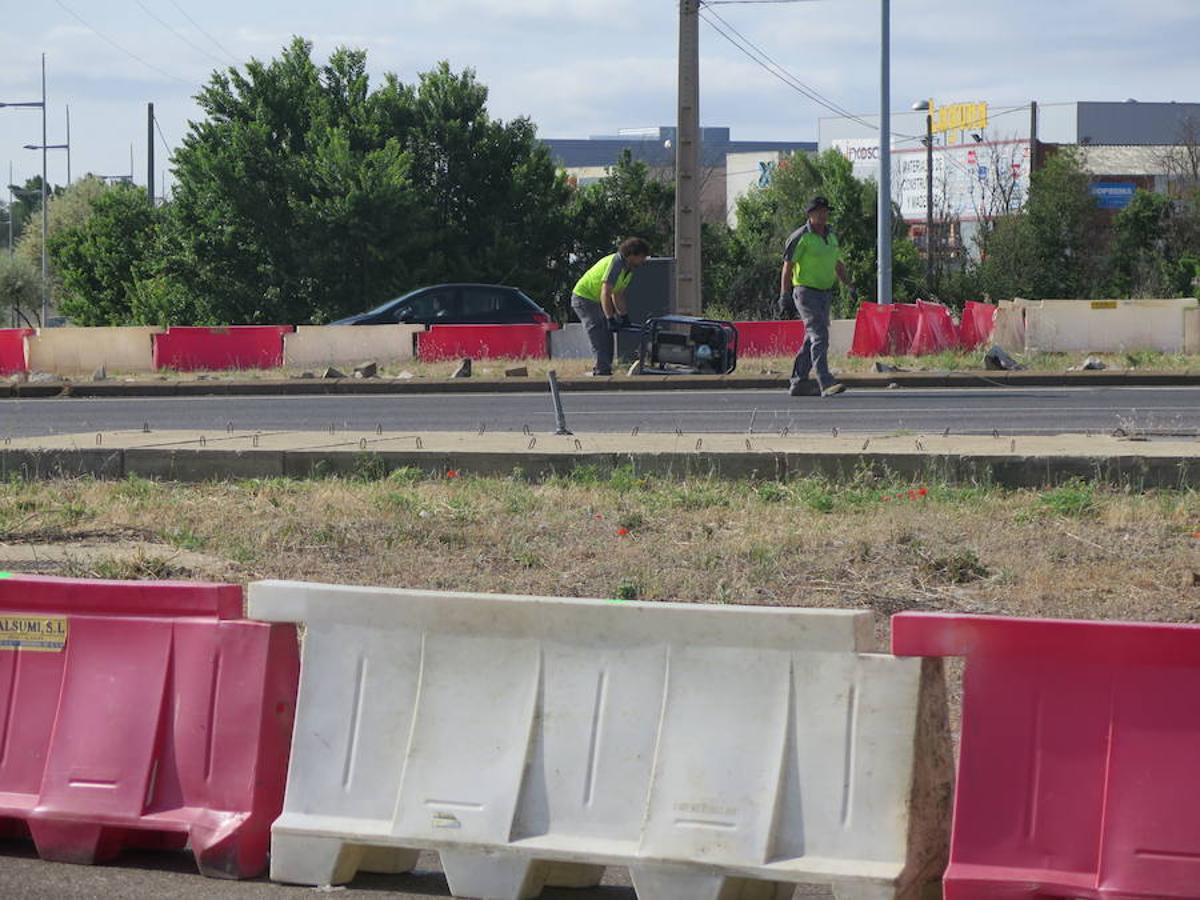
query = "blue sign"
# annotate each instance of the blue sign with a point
(1113, 194)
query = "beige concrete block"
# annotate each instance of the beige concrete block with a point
(67, 351)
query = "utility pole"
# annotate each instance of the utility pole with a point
(150, 152)
(885, 156)
(687, 163)
(68, 145)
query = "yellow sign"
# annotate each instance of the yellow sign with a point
(1104, 304)
(46, 634)
(959, 117)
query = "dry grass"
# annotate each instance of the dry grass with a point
(1073, 551)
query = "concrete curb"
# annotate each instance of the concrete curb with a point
(1010, 470)
(315, 387)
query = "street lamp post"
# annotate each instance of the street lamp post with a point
(926, 106)
(885, 156)
(35, 104)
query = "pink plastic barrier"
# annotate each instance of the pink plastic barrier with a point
(1077, 774)
(233, 347)
(936, 330)
(142, 715)
(12, 350)
(884, 330)
(978, 323)
(484, 342)
(769, 338)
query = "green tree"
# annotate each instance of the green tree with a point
(99, 261)
(1155, 244)
(630, 201)
(20, 287)
(303, 195)
(744, 278)
(1056, 247)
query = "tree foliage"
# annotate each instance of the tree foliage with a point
(303, 195)
(742, 265)
(20, 287)
(100, 260)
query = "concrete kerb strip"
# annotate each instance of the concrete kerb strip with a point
(1009, 461)
(857, 381)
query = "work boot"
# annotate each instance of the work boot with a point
(836, 388)
(799, 387)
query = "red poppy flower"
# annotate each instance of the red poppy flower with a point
(452, 473)
(622, 532)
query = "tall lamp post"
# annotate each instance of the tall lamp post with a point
(66, 146)
(36, 104)
(926, 106)
(884, 249)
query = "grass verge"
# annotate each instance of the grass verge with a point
(1073, 551)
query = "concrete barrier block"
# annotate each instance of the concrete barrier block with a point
(314, 346)
(841, 337)
(570, 342)
(534, 741)
(1107, 326)
(73, 350)
(1191, 331)
(1009, 332)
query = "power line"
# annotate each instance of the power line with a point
(113, 43)
(161, 136)
(200, 29)
(765, 61)
(152, 14)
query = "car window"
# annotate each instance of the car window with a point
(430, 306)
(481, 303)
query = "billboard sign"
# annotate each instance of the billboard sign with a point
(970, 182)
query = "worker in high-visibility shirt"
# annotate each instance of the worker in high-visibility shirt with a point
(812, 265)
(599, 299)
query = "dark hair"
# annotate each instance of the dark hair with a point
(634, 247)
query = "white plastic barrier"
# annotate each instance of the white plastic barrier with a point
(73, 350)
(1106, 326)
(717, 752)
(333, 345)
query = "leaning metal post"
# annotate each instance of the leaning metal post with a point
(559, 416)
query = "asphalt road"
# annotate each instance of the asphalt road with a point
(172, 876)
(1172, 410)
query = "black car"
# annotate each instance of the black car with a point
(455, 304)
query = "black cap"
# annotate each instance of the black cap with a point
(818, 203)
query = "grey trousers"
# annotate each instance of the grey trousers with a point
(813, 307)
(591, 314)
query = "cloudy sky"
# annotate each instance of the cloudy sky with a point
(583, 67)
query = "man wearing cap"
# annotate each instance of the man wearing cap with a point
(812, 264)
(599, 299)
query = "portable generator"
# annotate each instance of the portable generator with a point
(685, 345)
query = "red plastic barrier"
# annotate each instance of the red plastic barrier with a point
(145, 715)
(1077, 774)
(978, 324)
(769, 338)
(484, 342)
(936, 330)
(190, 349)
(884, 330)
(12, 350)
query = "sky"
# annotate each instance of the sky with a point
(579, 67)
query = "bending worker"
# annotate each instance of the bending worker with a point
(599, 299)
(812, 264)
